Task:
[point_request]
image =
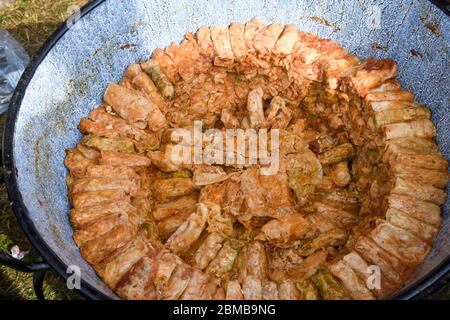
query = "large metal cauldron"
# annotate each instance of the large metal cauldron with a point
(67, 78)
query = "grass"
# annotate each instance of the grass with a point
(31, 22)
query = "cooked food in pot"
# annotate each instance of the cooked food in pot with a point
(256, 162)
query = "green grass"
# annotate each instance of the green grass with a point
(31, 22)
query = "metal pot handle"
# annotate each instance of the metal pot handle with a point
(9, 261)
(38, 268)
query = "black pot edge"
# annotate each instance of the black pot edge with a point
(12, 187)
(430, 283)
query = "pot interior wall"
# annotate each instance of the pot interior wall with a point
(71, 79)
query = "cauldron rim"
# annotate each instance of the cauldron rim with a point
(12, 187)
